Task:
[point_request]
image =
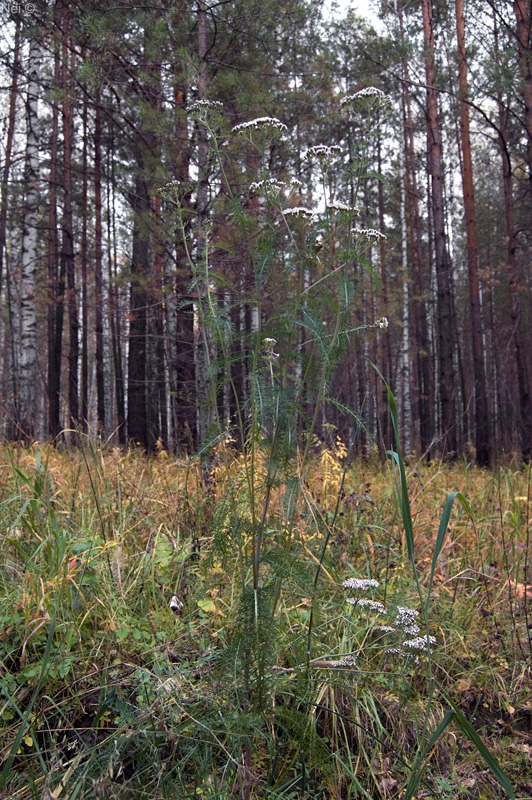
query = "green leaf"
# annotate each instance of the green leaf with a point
(475, 739)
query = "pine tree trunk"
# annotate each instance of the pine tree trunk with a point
(423, 366)
(55, 297)
(523, 33)
(445, 328)
(524, 409)
(136, 387)
(404, 377)
(84, 268)
(67, 248)
(481, 406)
(98, 272)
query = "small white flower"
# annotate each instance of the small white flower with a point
(382, 322)
(260, 122)
(268, 186)
(269, 342)
(323, 151)
(373, 605)
(395, 650)
(204, 105)
(420, 643)
(406, 620)
(384, 628)
(300, 211)
(369, 233)
(336, 205)
(361, 583)
(347, 661)
(369, 91)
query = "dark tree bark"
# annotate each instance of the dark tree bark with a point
(481, 405)
(523, 32)
(114, 301)
(55, 289)
(67, 245)
(84, 269)
(423, 367)
(140, 260)
(525, 422)
(445, 327)
(98, 274)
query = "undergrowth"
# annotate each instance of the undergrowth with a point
(108, 692)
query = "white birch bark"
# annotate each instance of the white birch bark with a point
(28, 333)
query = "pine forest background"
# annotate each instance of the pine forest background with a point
(102, 281)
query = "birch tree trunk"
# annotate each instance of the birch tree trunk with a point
(202, 336)
(25, 407)
(9, 148)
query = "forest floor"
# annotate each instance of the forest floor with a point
(138, 660)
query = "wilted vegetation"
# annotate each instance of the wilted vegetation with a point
(285, 690)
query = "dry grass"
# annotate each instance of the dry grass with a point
(96, 543)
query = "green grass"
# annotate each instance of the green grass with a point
(105, 692)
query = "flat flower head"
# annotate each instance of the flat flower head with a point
(370, 234)
(337, 205)
(270, 187)
(323, 151)
(300, 212)
(205, 110)
(371, 605)
(420, 643)
(361, 584)
(370, 93)
(260, 123)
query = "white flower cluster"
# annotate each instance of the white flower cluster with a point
(268, 185)
(347, 661)
(175, 184)
(373, 605)
(204, 105)
(299, 211)
(406, 620)
(369, 91)
(382, 322)
(323, 151)
(369, 233)
(420, 643)
(336, 205)
(260, 122)
(361, 584)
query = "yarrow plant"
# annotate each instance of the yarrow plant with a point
(260, 123)
(405, 620)
(369, 93)
(368, 233)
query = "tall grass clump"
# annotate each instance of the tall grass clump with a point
(256, 621)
